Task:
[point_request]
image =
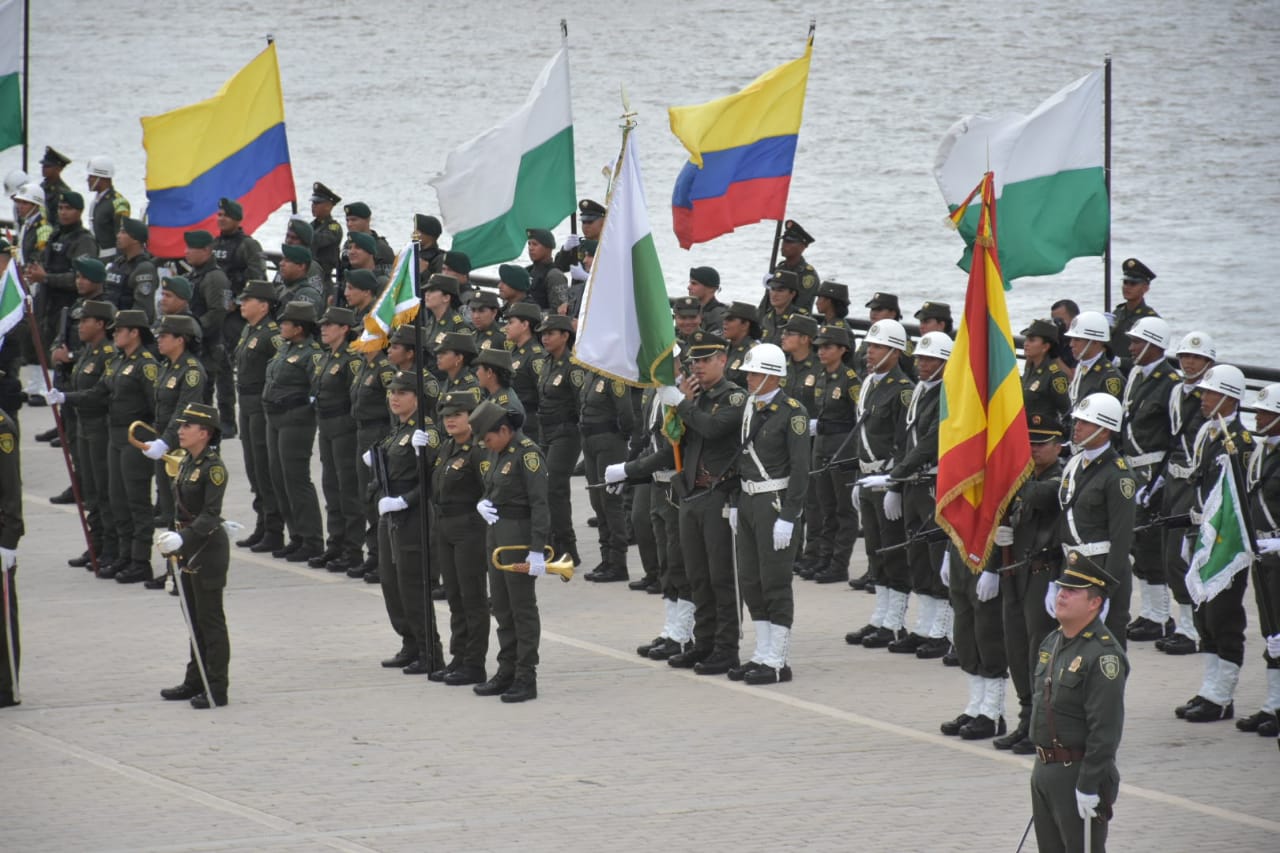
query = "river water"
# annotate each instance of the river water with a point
(377, 94)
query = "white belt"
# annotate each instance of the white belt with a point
(874, 467)
(759, 487)
(1089, 549)
(1144, 459)
(1195, 517)
(663, 476)
(1180, 472)
(1268, 534)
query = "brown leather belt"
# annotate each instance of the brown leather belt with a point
(1058, 754)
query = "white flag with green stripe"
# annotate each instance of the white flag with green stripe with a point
(397, 305)
(625, 329)
(12, 305)
(10, 66)
(1222, 549)
(515, 176)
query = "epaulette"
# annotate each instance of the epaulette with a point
(850, 373)
(457, 318)
(1054, 368)
(1121, 464)
(146, 354)
(333, 226)
(792, 403)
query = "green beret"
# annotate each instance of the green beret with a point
(179, 286)
(363, 280)
(514, 277)
(458, 401)
(338, 316)
(365, 241)
(458, 262)
(135, 228)
(182, 325)
(200, 414)
(359, 210)
(258, 289)
(297, 254)
(443, 283)
(428, 225)
(486, 418)
(72, 199)
(231, 208)
(705, 276)
(498, 359)
(403, 381)
(91, 268)
(541, 235)
(527, 311)
(556, 323)
(94, 309)
(299, 312)
(302, 230)
(463, 343)
(198, 239)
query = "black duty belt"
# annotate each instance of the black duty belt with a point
(334, 410)
(517, 511)
(399, 487)
(286, 402)
(455, 510)
(834, 427)
(1058, 754)
(598, 428)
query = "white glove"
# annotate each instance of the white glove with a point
(988, 586)
(311, 400)
(1144, 494)
(670, 395)
(367, 458)
(487, 511)
(537, 564)
(1268, 546)
(156, 449)
(945, 572)
(572, 241)
(733, 519)
(232, 528)
(1087, 804)
(1050, 600)
(1273, 642)
(8, 558)
(615, 473)
(874, 481)
(893, 505)
(813, 426)
(1004, 536)
(420, 439)
(391, 504)
(577, 273)
(168, 542)
(53, 396)
(782, 534)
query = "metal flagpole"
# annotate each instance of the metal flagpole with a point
(424, 475)
(271, 39)
(1106, 179)
(26, 76)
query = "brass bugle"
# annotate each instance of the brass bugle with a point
(171, 459)
(562, 567)
(140, 443)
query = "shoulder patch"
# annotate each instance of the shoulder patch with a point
(1054, 368)
(1114, 386)
(619, 388)
(792, 403)
(850, 373)
(577, 377)
(485, 465)
(217, 475)
(151, 371)
(433, 438)
(799, 425)
(1121, 464)
(737, 398)
(905, 396)
(193, 378)
(6, 443)
(1127, 488)
(532, 460)
(1110, 666)
(1060, 383)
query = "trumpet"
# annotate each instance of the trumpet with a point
(172, 459)
(562, 567)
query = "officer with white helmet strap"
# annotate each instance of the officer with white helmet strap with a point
(1145, 442)
(882, 413)
(773, 467)
(1219, 614)
(1262, 482)
(34, 229)
(1097, 499)
(1088, 337)
(107, 208)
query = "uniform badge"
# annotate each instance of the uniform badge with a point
(439, 338)
(532, 461)
(368, 380)
(88, 368)
(577, 377)
(1034, 386)
(193, 379)
(737, 362)
(1113, 386)
(555, 380)
(515, 365)
(506, 468)
(1110, 666)
(600, 387)
(835, 393)
(905, 397)
(6, 443)
(404, 440)
(195, 475)
(1060, 384)
(485, 465)
(144, 287)
(1075, 664)
(127, 370)
(1127, 488)
(809, 380)
(172, 383)
(619, 388)
(1044, 656)
(316, 358)
(433, 438)
(217, 475)
(293, 359)
(737, 398)
(485, 343)
(799, 425)
(459, 463)
(150, 371)
(539, 366)
(333, 371)
(253, 343)
(355, 367)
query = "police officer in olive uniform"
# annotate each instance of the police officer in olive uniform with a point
(1030, 532)
(66, 350)
(800, 383)
(569, 259)
(336, 428)
(426, 231)
(458, 537)
(559, 387)
(373, 423)
(833, 531)
(299, 233)
(832, 305)
(1262, 484)
(528, 359)
(444, 314)
(108, 207)
(199, 542)
(1044, 384)
(401, 564)
(326, 239)
(704, 284)
(484, 317)
(254, 351)
(795, 240)
(883, 400)
(1089, 337)
(548, 287)
(1097, 499)
(1136, 281)
(1145, 440)
(11, 530)
(359, 294)
(402, 352)
(131, 277)
(295, 284)
(51, 166)
(1077, 714)
(515, 508)
(291, 430)
(773, 466)
(455, 351)
(881, 306)
(210, 304)
(741, 331)
(239, 256)
(55, 270)
(605, 420)
(181, 381)
(358, 217)
(492, 369)
(784, 287)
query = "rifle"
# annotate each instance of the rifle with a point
(835, 457)
(1170, 522)
(928, 537)
(1043, 553)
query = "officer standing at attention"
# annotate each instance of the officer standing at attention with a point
(337, 436)
(200, 544)
(210, 302)
(358, 218)
(454, 354)
(239, 256)
(55, 270)
(291, 431)
(704, 284)
(881, 306)
(773, 463)
(528, 359)
(1089, 336)
(326, 239)
(11, 530)
(1134, 286)
(51, 166)
(803, 372)
(784, 287)
(558, 388)
(295, 285)
(606, 421)
(1262, 482)
(935, 317)
(493, 376)
(484, 317)
(883, 400)
(458, 538)
(795, 240)
(1097, 500)
(569, 259)
(444, 315)
(548, 287)
(741, 332)
(1077, 714)
(1044, 384)
(402, 352)
(108, 208)
(373, 422)
(359, 294)
(515, 508)
(426, 233)
(131, 277)
(832, 304)
(254, 350)
(182, 380)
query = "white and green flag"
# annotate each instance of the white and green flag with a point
(12, 305)
(1222, 548)
(625, 329)
(395, 306)
(514, 176)
(1051, 194)
(10, 65)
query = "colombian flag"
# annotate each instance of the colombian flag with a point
(984, 451)
(741, 149)
(232, 145)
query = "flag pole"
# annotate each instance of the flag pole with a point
(271, 39)
(1106, 179)
(573, 217)
(26, 76)
(777, 231)
(424, 474)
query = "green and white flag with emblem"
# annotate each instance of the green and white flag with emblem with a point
(1221, 549)
(12, 305)
(625, 330)
(10, 79)
(397, 305)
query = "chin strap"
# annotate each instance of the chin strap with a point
(1077, 446)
